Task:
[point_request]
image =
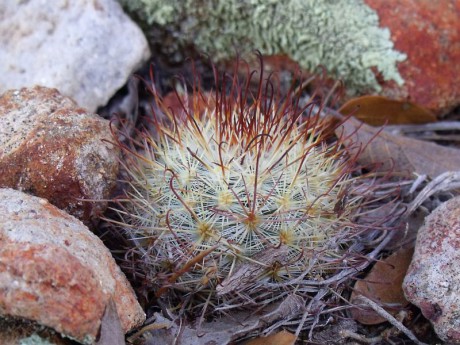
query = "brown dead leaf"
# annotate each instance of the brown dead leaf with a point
(383, 284)
(378, 111)
(280, 338)
(396, 153)
(111, 331)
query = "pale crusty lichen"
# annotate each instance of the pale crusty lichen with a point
(344, 36)
(34, 339)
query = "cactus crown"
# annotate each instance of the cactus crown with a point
(240, 193)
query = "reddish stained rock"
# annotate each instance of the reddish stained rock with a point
(51, 148)
(429, 33)
(432, 281)
(54, 271)
(31, 281)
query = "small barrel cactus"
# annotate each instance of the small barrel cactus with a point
(241, 195)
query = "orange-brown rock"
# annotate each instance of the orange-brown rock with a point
(428, 32)
(51, 148)
(56, 272)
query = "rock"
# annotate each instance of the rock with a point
(22, 332)
(51, 148)
(428, 32)
(87, 49)
(432, 281)
(343, 36)
(405, 49)
(54, 271)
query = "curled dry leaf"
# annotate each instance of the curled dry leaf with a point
(383, 284)
(396, 153)
(378, 111)
(111, 331)
(280, 338)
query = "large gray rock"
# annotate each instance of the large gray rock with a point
(432, 281)
(85, 48)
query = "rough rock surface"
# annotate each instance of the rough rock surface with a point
(86, 49)
(432, 281)
(54, 271)
(428, 32)
(51, 148)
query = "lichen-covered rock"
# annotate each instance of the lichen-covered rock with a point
(432, 281)
(428, 32)
(54, 271)
(343, 36)
(401, 49)
(51, 148)
(87, 49)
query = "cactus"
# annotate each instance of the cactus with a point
(242, 194)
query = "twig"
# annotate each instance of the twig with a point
(311, 307)
(151, 327)
(435, 126)
(361, 338)
(383, 313)
(444, 182)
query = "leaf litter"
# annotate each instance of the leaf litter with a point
(379, 111)
(401, 155)
(387, 151)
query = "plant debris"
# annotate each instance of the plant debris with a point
(398, 154)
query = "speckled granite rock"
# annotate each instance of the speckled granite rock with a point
(54, 271)
(432, 281)
(51, 148)
(86, 49)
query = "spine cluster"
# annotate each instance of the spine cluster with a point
(239, 193)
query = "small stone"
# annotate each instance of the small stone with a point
(56, 272)
(86, 49)
(432, 281)
(49, 147)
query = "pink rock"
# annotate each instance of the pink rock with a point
(432, 281)
(56, 272)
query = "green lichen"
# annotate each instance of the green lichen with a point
(34, 339)
(344, 36)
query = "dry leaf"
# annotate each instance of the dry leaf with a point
(396, 153)
(111, 331)
(378, 111)
(226, 329)
(383, 284)
(280, 338)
